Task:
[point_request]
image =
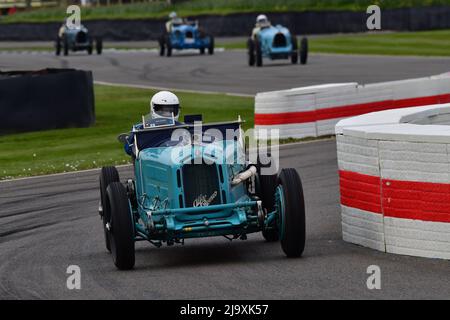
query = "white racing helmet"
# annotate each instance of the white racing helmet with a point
(173, 15)
(262, 19)
(166, 105)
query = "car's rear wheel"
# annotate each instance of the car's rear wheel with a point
(108, 175)
(267, 186)
(58, 46)
(211, 45)
(258, 50)
(251, 52)
(99, 45)
(291, 209)
(121, 227)
(295, 53)
(304, 51)
(202, 50)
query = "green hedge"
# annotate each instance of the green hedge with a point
(159, 9)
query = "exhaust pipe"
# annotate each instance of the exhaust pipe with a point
(243, 176)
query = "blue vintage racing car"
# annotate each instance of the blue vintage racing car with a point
(77, 39)
(276, 42)
(186, 35)
(197, 185)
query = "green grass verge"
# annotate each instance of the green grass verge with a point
(428, 43)
(158, 9)
(117, 109)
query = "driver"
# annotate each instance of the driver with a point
(174, 19)
(261, 23)
(164, 110)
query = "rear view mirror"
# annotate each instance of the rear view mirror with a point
(123, 138)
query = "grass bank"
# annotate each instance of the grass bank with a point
(117, 109)
(158, 9)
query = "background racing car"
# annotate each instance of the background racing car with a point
(174, 197)
(76, 39)
(276, 42)
(186, 35)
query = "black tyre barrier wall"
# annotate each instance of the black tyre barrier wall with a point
(46, 99)
(321, 22)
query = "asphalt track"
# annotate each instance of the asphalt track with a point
(227, 71)
(51, 222)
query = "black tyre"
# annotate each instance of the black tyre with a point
(202, 50)
(90, 48)
(108, 175)
(295, 53)
(293, 233)
(58, 46)
(267, 186)
(304, 51)
(168, 47)
(258, 53)
(251, 52)
(162, 46)
(211, 45)
(65, 46)
(122, 227)
(99, 45)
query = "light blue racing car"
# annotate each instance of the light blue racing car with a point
(274, 42)
(188, 188)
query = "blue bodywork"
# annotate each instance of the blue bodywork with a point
(170, 201)
(276, 42)
(188, 36)
(78, 39)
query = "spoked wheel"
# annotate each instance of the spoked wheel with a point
(291, 213)
(121, 231)
(295, 53)
(251, 52)
(108, 175)
(304, 51)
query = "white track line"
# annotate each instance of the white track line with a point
(139, 86)
(287, 145)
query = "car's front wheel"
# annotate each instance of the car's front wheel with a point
(108, 175)
(258, 50)
(90, 47)
(294, 54)
(99, 45)
(290, 205)
(162, 46)
(168, 47)
(211, 45)
(58, 46)
(65, 46)
(121, 227)
(304, 51)
(251, 52)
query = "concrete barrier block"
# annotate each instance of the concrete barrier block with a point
(363, 228)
